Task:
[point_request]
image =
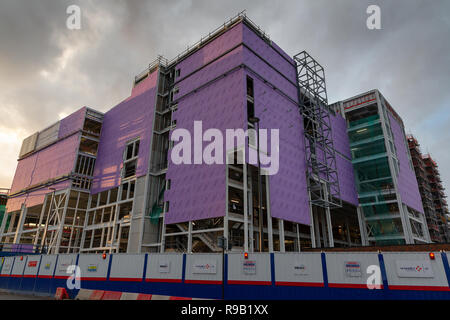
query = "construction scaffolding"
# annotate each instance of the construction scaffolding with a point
(323, 182)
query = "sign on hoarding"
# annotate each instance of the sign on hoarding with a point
(64, 264)
(352, 269)
(204, 266)
(6, 269)
(414, 269)
(249, 267)
(92, 268)
(300, 269)
(164, 266)
(32, 264)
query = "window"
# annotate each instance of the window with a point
(250, 87)
(177, 73)
(250, 110)
(130, 159)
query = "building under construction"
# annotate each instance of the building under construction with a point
(432, 193)
(96, 182)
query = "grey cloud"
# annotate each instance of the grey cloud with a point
(407, 60)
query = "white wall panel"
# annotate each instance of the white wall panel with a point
(351, 269)
(204, 268)
(414, 269)
(7, 266)
(64, 261)
(47, 266)
(164, 266)
(32, 266)
(296, 268)
(241, 270)
(127, 266)
(93, 266)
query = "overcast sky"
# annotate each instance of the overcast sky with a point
(48, 71)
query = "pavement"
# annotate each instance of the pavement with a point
(5, 295)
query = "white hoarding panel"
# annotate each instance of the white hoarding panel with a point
(93, 266)
(127, 267)
(47, 266)
(354, 270)
(7, 266)
(298, 269)
(415, 271)
(164, 267)
(204, 268)
(19, 266)
(32, 266)
(253, 271)
(63, 264)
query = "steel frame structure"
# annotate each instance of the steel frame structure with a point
(322, 176)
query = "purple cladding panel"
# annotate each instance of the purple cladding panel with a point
(35, 197)
(344, 166)
(72, 123)
(407, 182)
(198, 191)
(130, 119)
(288, 188)
(49, 163)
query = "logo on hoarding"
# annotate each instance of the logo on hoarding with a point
(300, 269)
(92, 268)
(204, 267)
(414, 269)
(353, 269)
(249, 267)
(47, 266)
(32, 264)
(164, 267)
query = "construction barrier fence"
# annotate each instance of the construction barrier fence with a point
(260, 276)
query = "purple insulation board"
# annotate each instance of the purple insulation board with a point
(51, 162)
(407, 182)
(277, 109)
(34, 198)
(199, 191)
(344, 165)
(132, 118)
(72, 123)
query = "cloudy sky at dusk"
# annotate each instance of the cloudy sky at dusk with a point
(48, 71)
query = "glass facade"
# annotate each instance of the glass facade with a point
(373, 176)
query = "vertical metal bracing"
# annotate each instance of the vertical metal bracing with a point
(322, 176)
